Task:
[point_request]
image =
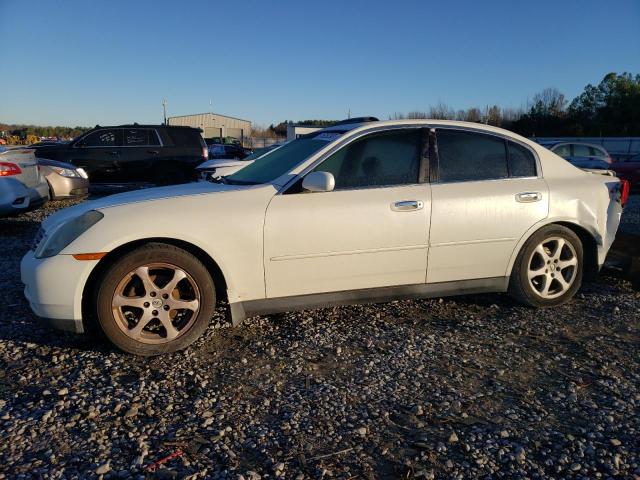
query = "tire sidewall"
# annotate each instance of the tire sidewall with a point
(525, 288)
(142, 256)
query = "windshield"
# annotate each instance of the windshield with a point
(279, 161)
(257, 153)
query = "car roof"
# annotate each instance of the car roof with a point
(579, 143)
(433, 123)
(138, 125)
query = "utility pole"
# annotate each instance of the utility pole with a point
(349, 114)
(164, 109)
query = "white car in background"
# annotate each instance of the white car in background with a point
(360, 211)
(22, 186)
(217, 168)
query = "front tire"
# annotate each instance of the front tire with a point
(549, 267)
(155, 299)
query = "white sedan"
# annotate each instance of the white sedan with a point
(360, 211)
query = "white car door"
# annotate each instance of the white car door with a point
(372, 230)
(487, 194)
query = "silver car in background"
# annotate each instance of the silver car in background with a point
(64, 179)
(22, 186)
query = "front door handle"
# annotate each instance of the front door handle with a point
(528, 197)
(407, 205)
(113, 153)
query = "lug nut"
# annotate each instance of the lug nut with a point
(152, 294)
(146, 304)
(166, 307)
(165, 296)
(155, 312)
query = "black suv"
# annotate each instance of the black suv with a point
(161, 154)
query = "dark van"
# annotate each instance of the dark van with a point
(160, 154)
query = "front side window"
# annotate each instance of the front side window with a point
(379, 159)
(470, 156)
(580, 151)
(563, 151)
(103, 138)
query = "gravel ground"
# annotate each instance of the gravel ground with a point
(463, 387)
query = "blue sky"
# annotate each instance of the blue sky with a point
(87, 62)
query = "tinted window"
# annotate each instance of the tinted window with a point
(153, 138)
(387, 158)
(184, 137)
(470, 156)
(580, 151)
(563, 150)
(522, 163)
(596, 152)
(135, 137)
(103, 138)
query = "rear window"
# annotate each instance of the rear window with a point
(185, 137)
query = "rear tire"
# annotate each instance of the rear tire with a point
(155, 299)
(549, 267)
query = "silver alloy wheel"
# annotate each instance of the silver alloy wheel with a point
(552, 267)
(156, 303)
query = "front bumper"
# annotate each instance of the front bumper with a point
(68, 187)
(54, 287)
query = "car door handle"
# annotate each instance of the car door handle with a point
(114, 153)
(528, 197)
(407, 205)
(154, 152)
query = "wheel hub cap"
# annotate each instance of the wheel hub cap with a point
(156, 303)
(552, 267)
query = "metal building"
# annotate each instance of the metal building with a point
(214, 125)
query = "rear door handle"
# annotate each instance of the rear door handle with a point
(153, 152)
(528, 197)
(407, 205)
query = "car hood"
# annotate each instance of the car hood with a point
(143, 195)
(221, 163)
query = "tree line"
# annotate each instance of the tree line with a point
(611, 108)
(29, 133)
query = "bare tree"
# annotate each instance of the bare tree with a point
(441, 111)
(549, 101)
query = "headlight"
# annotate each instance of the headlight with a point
(82, 173)
(66, 172)
(67, 233)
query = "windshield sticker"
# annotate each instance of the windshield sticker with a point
(327, 136)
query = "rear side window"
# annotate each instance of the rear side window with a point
(596, 152)
(563, 151)
(468, 156)
(379, 159)
(185, 137)
(522, 163)
(153, 138)
(581, 151)
(135, 137)
(103, 138)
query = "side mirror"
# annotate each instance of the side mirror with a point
(319, 182)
